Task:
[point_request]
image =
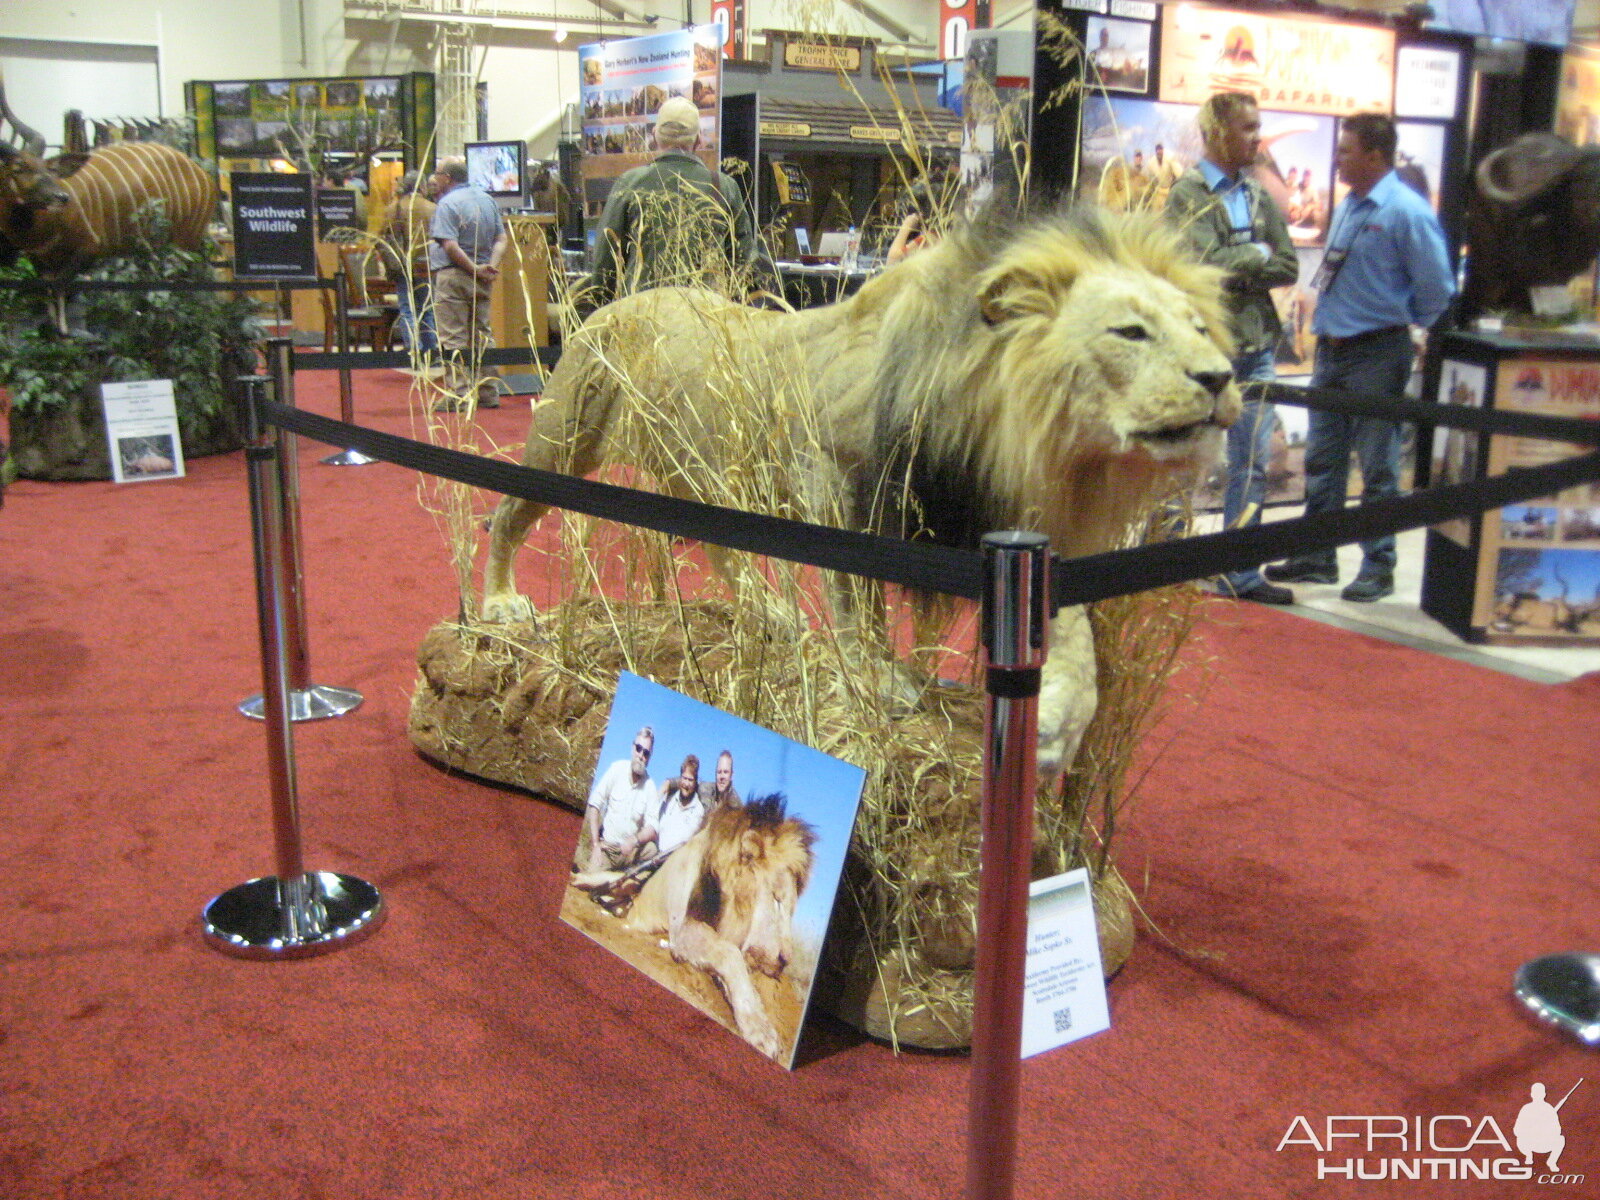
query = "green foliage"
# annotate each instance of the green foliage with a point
(195, 339)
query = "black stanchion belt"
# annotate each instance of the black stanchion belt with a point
(915, 564)
(166, 285)
(366, 360)
(960, 572)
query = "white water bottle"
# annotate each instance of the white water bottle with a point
(852, 251)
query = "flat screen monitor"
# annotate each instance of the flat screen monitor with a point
(498, 168)
(1546, 21)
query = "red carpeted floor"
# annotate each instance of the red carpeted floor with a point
(1345, 849)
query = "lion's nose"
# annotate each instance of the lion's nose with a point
(1212, 381)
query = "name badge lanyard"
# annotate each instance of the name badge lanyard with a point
(1334, 258)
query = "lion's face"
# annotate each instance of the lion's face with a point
(1132, 358)
(761, 873)
(1162, 386)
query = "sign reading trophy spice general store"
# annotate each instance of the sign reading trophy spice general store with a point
(1297, 63)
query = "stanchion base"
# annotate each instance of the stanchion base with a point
(1564, 989)
(250, 921)
(348, 458)
(313, 704)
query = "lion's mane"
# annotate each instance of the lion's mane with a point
(745, 844)
(962, 441)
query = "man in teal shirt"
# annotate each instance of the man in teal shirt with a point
(1231, 222)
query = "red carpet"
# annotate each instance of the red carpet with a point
(1345, 847)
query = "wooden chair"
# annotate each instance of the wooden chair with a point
(372, 316)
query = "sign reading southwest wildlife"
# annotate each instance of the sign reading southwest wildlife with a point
(1299, 64)
(622, 86)
(273, 235)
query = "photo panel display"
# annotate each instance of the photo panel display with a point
(1133, 150)
(1419, 157)
(1455, 451)
(1539, 573)
(1297, 305)
(1296, 169)
(710, 859)
(273, 117)
(622, 86)
(1120, 53)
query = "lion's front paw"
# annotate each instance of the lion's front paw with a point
(1051, 758)
(506, 608)
(758, 1029)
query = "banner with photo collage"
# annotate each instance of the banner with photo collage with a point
(1539, 561)
(623, 84)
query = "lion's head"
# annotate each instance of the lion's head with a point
(757, 862)
(1073, 368)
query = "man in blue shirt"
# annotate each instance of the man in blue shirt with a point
(1385, 270)
(469, 239)
(1231, 222)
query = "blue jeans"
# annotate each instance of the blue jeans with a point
(416, 315)
(1377, 368)
(1249, 448)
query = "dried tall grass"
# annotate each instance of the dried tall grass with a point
(756, 637)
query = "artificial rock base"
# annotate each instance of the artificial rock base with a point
(490, 702)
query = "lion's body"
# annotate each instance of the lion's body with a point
(725, 899)
(1059, 377)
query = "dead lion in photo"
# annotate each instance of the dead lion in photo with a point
(724, 901)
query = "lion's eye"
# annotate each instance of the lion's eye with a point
(1134, 333)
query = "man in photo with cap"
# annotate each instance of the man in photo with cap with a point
(672, 221)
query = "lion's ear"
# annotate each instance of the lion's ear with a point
(1018, 291)
(750, 846)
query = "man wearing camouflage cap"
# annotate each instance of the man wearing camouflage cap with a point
(674, 220)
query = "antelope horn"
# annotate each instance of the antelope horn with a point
(1532, 164)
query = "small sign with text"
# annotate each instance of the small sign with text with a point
(1064, 997)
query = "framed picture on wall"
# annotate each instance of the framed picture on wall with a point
(1133, 150)
(1119, 51)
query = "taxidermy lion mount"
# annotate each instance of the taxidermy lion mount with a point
(1060, 375)
(1065, 374)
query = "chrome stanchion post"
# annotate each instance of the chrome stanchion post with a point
(1563, 989)
(1016, 613)
(347, 402)
(307, 701)
(294, 913)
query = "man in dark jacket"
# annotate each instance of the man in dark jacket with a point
(674, 220)
(1232, 223)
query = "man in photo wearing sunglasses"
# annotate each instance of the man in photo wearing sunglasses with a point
(619, 808)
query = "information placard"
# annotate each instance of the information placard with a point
(142, 430)
(1064, 997)
(1427, 81)
(336, 209)
(273, 235)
